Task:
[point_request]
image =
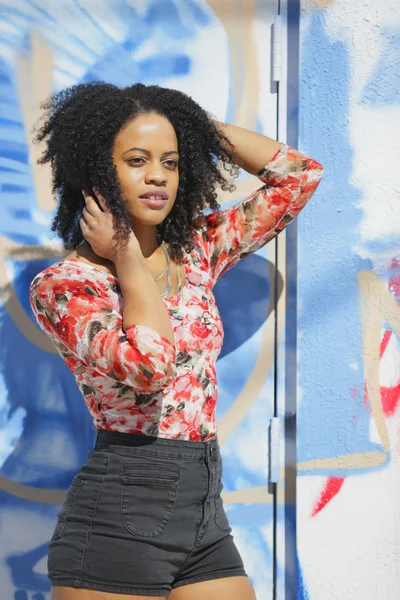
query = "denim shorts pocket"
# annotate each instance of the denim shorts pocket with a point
(67, 506)
(148, 497)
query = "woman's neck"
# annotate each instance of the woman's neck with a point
(147, 238)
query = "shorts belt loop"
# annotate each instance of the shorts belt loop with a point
(212, 451)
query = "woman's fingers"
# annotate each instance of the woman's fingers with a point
(100, 199)
(97, 224)
(91, 204)
(83, 225)
(88, 216)
(94, 201)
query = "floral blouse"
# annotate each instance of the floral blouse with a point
(137, 381)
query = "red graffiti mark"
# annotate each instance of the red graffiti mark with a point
(332, 487)
(390, 397)
(394, 286)
(365, 395)
(384, 342)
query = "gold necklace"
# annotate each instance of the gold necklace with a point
(167, 270)
(164, 248)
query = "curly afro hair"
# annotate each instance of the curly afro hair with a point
(79, 127)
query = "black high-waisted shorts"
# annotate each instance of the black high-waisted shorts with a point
(143, 516)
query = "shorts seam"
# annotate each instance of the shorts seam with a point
(126, 451)
(198, 527)
(210, 576)
(112, 588)
(92, 518)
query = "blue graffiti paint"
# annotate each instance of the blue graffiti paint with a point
(287, 571)
(384, 85)
(199, 14)
(23, 595)
(22, 569)
(118, 66)
(57, 425)
(164, 66)
(332, 420)
(60, 429)
(247, 284)
(15, 212)
(388, 245)
(302, 593)
(16, 216)
(21, 238)
(173, 26)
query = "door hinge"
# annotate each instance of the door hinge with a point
(278, 51)
(274, 450)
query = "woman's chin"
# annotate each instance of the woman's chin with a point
(151, 219)
(151, 216)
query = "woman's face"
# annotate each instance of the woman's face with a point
(146, 157)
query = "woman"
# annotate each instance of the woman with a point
(131, 311)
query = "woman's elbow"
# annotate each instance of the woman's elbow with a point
(155, 381)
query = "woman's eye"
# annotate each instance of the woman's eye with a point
(136, 160)
(171, 164)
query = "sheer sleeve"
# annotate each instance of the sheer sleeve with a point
(232, 234)
(73, 313)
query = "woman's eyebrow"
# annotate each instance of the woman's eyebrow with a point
(139, 149)
(148, 151)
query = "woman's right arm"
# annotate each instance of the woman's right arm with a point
(143, 304)
(135, 348)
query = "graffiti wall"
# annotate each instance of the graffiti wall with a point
(348, 420)
(219, 53)
(346, 520)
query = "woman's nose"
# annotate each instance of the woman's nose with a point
(156, 174)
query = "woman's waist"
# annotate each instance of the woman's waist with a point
(107, 437)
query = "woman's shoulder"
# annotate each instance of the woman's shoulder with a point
(199, 231)
(55, 272)
(72, 276)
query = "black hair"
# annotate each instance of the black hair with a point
(79, 127)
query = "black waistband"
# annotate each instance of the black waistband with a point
(107, 438)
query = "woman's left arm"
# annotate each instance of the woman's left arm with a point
(290, 180)
(252, 151)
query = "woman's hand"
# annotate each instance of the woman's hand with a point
(97, 226)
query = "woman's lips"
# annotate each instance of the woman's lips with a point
(154, 202)
(155, 198)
